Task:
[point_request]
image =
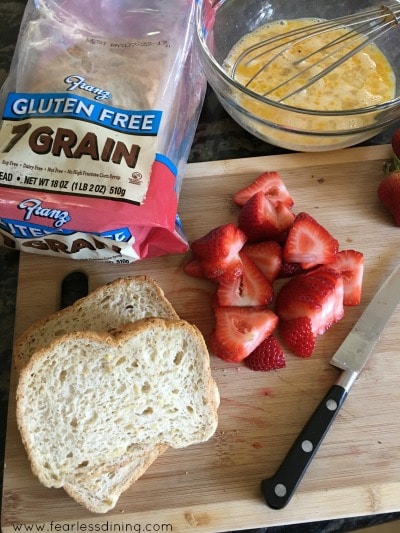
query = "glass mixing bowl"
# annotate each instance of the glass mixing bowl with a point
(220, 24)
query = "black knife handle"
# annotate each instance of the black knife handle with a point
(278, 489)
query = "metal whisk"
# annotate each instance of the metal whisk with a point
(361, 29)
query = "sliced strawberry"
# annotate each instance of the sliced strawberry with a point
(270, 184)
(288, 270)
(309, 243)
(267, 255)
(298, 336)
(267, 356)
(193, 268)
(252, 288)
(389, 194)
(258, 219)
(239, 330)
(317, 295)
(285, 217)
(350, 264)
(218, 253)
(261, 220)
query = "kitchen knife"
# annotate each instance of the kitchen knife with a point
(350, 358)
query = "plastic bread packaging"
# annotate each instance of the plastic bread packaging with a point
(98, 115)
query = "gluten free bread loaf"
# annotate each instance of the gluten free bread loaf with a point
(89, 397)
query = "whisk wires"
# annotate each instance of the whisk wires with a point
(360, 30)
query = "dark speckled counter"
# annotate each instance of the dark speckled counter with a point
(217, 137)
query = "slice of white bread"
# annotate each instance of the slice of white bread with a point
(108, 307)
(90, 398)
(100, 493)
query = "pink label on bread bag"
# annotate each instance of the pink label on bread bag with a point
(34, 221)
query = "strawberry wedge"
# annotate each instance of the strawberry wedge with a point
(252, 288)
(262, 219)
(350, 264)
(239, 330)
(317, 296)
(217, 253)
(309, 243)
(272, 187)
(267, 256)
(298, 336)
(267, 356)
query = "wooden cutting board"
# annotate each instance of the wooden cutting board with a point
(215, 487)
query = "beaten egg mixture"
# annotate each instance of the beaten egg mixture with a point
(363, 80)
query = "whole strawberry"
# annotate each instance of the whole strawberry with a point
(389, 194)
(396, 145)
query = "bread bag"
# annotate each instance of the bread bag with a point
(98, 115)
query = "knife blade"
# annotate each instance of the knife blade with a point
(350, 358)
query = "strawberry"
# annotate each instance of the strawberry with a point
(218, 253)
(350, 264)
(258, 219)
(267, 255)
(396, 144)
(270, 184)
(298, 336)
(193, 268)
(261, 219)
(252, 288)
(267, 356)
(239, 330)
(317, 294)
(389, 194)
(289, 270)
(309, 243)
(285, 218)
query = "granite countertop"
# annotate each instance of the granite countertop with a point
(217, 137)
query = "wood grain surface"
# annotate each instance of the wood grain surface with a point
(215, 487)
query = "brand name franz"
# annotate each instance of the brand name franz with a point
(76, 82)
(34, 207)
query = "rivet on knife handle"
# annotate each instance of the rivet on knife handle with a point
(279, 489)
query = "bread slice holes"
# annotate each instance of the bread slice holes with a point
(146, 387)
(83, 464)
(130, 368)
(190, 409)
(74, 423)
(178, 358)
(63, 375)
(148, 411)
